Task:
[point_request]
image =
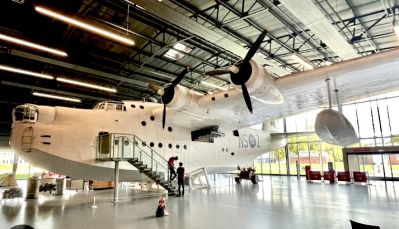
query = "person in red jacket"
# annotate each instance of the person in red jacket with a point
(180, 178)
(171, 166)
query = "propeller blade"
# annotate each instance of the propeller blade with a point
(156, 88)
(222, 71)
(167, 95)
(218, 72)
(255, 46)
(164, 116)
(246, 97)
(179, 78)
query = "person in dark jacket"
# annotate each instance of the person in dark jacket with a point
(180, 178)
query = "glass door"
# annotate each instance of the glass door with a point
(378, 166)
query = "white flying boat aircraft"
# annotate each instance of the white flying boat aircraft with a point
(204, 131)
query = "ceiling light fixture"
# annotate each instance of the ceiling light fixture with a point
(32, 45)
(84, 26)
(181, 47)
(51, 96)
(83, 84)
(25, 72)
(213, 85)
(173, 54)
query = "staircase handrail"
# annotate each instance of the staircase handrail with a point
(134, 145)
(161, 164)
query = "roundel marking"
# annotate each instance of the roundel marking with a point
(252, 141)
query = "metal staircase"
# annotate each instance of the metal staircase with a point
(130, 148)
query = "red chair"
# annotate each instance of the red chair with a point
(343, 176)
(359, 176)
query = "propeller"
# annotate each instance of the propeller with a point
(241, 71)
(222, 71)
(168, 92)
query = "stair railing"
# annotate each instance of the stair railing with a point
(124, 147)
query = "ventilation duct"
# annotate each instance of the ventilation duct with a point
(312, 18)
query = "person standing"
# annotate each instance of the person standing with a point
(171, 165)
(180, 178)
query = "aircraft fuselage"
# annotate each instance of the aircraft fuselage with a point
(63, 140)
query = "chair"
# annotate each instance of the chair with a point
(356, 225)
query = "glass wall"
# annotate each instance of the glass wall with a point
(374, 119)
(24, 169)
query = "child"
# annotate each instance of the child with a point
(161, 209)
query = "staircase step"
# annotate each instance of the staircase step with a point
(141, 166)
(135, 159)
(147, 171)
(137, 163)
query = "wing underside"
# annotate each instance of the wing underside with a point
(305, 91)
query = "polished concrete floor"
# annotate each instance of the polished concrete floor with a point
(277, 202)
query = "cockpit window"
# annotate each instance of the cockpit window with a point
(110, 106)
(25, 113)
(119, 107)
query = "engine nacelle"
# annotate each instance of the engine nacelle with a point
(261, 85)
(183, 98)
(332, 127)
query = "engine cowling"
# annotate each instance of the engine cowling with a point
(333, 127)
(183, 98)
(261, 85)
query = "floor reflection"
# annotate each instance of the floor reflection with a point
(276, 202)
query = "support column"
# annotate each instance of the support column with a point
(116, 182)
(329, 93)
(207, 179)
(287, 159)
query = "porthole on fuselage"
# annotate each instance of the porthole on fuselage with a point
(170, 129)
(152, 144)
(143, 123)
(185, 147)
(160, 145)
(141, 107)
(232, 153)
(226, 95)
(152, 118)
(170, 146)
(133, 106)
(177, 146)
(143, 144)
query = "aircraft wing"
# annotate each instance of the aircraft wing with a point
(305, 91)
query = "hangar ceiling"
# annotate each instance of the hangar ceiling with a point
(301, 35)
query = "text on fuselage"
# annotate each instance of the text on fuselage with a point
(249, 141)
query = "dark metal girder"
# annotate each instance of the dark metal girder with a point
(258, 27)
